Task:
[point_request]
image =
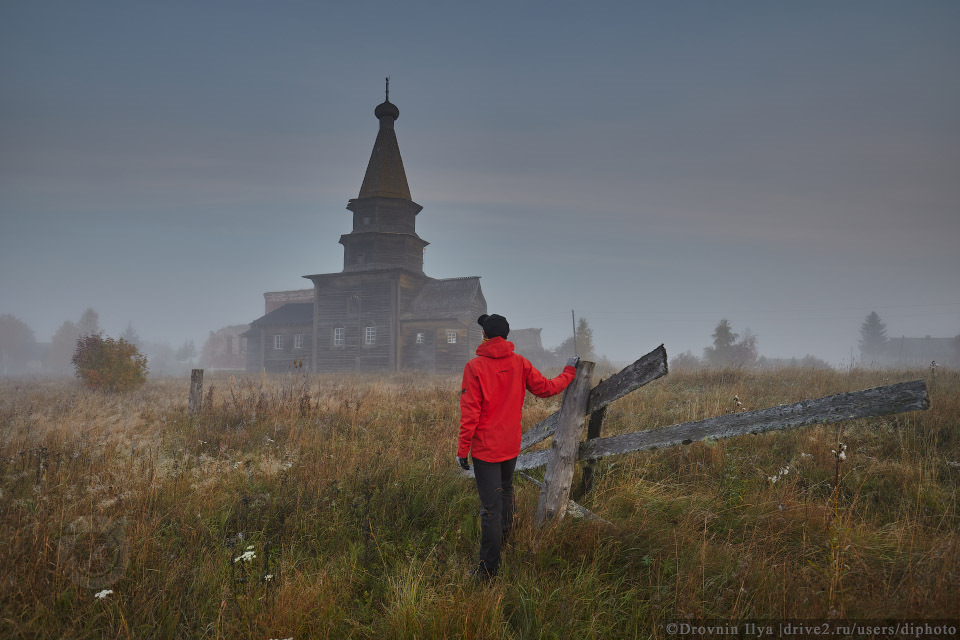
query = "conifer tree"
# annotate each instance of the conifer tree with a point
(130, 335)
(873, 336)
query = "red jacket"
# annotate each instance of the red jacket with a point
(491, 400)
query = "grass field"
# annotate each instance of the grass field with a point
(329, 507)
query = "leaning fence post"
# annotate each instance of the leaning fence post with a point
(566, 444)
(196, 391)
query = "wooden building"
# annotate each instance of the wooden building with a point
(382, 312)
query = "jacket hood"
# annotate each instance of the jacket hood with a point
(495, 348)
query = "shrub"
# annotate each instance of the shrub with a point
(109, 365)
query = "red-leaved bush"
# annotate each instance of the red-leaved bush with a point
(109, 365)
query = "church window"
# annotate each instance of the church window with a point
(278, 341)
(353, 305)
(420, 338)
(370, 336)
(451, 336)
(298, 341)
(230, 345)
(338, 340)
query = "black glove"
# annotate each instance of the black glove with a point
(464, 463)
(572, 362)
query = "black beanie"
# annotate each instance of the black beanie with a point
(494, 326)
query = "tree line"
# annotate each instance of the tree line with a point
(21, 352)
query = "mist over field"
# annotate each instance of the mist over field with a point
(656, 169)
(769, 190)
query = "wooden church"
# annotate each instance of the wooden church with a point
(381, 313)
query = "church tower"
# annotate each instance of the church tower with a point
(384, 234)
(381, 312)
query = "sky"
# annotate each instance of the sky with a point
(654, 166)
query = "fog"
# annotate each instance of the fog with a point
(655, 169)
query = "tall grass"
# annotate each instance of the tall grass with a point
(343, 491)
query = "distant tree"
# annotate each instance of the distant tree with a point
(685, 361)
(186, 351)
(17, 343)
(106, 364)
(163, 358)
(813, 362)
(130, 335)
(745, 351)
(873, 336)
(584, 343)
(726, 351)
(62, 346)
(723, 335)
(89, 323)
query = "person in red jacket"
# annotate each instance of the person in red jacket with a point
(491, 402)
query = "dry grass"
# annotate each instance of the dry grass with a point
(344, 489)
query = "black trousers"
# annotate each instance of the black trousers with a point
(495, 486)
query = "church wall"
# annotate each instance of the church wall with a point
(282, 360)
(435, 353)
(382, 251)
(409, 288)
(353, 302)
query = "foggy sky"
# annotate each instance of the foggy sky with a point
(790, 167)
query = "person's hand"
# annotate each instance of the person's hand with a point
(572, 362)
(464, 463)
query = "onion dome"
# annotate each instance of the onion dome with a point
(387, 109)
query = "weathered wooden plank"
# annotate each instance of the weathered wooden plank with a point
(879, 401)
(555, 492)
(643, 371)
(632, 377)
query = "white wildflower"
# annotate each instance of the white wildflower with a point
(100, 595)
(236, 465)
(250, 548)
(268, 577)
(246, 556)
(841, 454)
(780, 474)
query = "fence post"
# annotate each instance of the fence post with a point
(196, 391)
(562, 460)
(593, 432)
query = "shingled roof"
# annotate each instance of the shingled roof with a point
(385, 176)
(447, 298)
(291, 313)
